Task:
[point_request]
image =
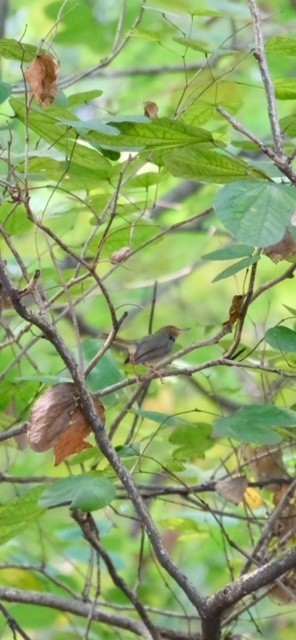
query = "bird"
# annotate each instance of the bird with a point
(151, 350)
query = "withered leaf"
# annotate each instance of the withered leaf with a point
(285, 249)
(235, 309)
(42, 76)
(265, 463)
(120, 256)
(72, 441)
(58, 422)
(233, 488)
(150, 109)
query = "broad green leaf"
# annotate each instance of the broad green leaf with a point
(5, 91)
(87, 492)
(256, 423)
(282, 45)
(208, 166)
(15, 50)
(235, 268)
(256, 212)
(94, 494)
(199, 113)
(193, 440)
(159, 133)
(285, 89)
(282, 339)
(44, 124)
(230, 252)
(20, 513)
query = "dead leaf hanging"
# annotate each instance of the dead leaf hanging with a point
(57, 421)
(285, 249)
(150, 109)
(232, 488)
(42, 76)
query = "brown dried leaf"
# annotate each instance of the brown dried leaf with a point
(233, 488)
(235, 309)
(120, 256)
(265, 463)
(72, 441)
(42, 77)
(57, 421)
(150, 109)
(285, 249)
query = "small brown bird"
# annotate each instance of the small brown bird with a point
(151, 350)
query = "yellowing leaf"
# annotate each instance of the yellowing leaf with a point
(252, 498)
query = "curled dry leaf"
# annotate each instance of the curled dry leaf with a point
(150, 109)
(42, 76)
(233, 488)
(235, 309)
(285, 249)
(120, 256)
(57, 421)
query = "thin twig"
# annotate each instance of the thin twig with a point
(268, 84)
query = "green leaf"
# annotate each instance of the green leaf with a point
(199, 113)
(285, 89)
(14, 219)
(159, 133)
(282, 339)
(230, 252)
(20, 514)
(163, 419)
(76, 99)
(193, 440)
(235, 268)
(282, 45)
(256, 423)
(44, 123)
(87, 492)
(5, 91)
(196, 45)
(15, 50)
(197, 163)
(106, 372)
(257, 212)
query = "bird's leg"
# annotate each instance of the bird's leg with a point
(157, 373)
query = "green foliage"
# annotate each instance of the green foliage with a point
(254, 212)
(87, 492)
(281, 339)
(257, 424)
